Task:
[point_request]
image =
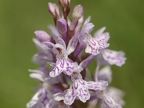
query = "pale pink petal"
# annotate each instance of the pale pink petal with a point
(114, 57)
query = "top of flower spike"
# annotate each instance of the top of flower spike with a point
(54, 10)
(64, 3)
(77, 12)
(63, 51)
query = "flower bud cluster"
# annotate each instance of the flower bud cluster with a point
(63, 58)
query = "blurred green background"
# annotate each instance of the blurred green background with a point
(124, 20)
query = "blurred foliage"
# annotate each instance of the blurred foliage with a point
(124, 20)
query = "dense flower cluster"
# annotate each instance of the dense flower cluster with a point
(63, 58)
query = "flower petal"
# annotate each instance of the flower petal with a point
(82, 91)
(87, 20)
(50, 45)
(60, 51)
(99, 32)
(108, 102)
(62, 65)
(100, 85)
(42, 57)
(40, 99)
(102, 40)
(116, 94)
(70, 96)
(83, 94)
(58, 96)
(56, 36)
(35, 71)
(92, 46)
(114, 57)
(42, 36)
(37, 76)
(61, 25)
(105, 74)
(39, 45)
(86, 29)
(72, 44)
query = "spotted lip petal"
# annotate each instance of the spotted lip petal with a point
(62, 65)
(96, 43)
(100, 85)
(92, 45)
(100, 35)
(102, 40)
(40, 99)
(108, 102)
(114, 57)
(77, 89)
(80, 89)
(116, 94)
(69, 96)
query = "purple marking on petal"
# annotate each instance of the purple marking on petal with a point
(92, 45)
(40, 99)
(114, 57)
(101, 85)
(109, 102)
(55, 72)
(72, 44)
(75, 85)
(83, 94)
(92, 41)
(79, 89)
(81, 82)
(62, 65)
(70, 96)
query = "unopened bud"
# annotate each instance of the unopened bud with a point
(42, 36)
(64, 3)
(54, 10)
(61, 25)
(77, 12)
